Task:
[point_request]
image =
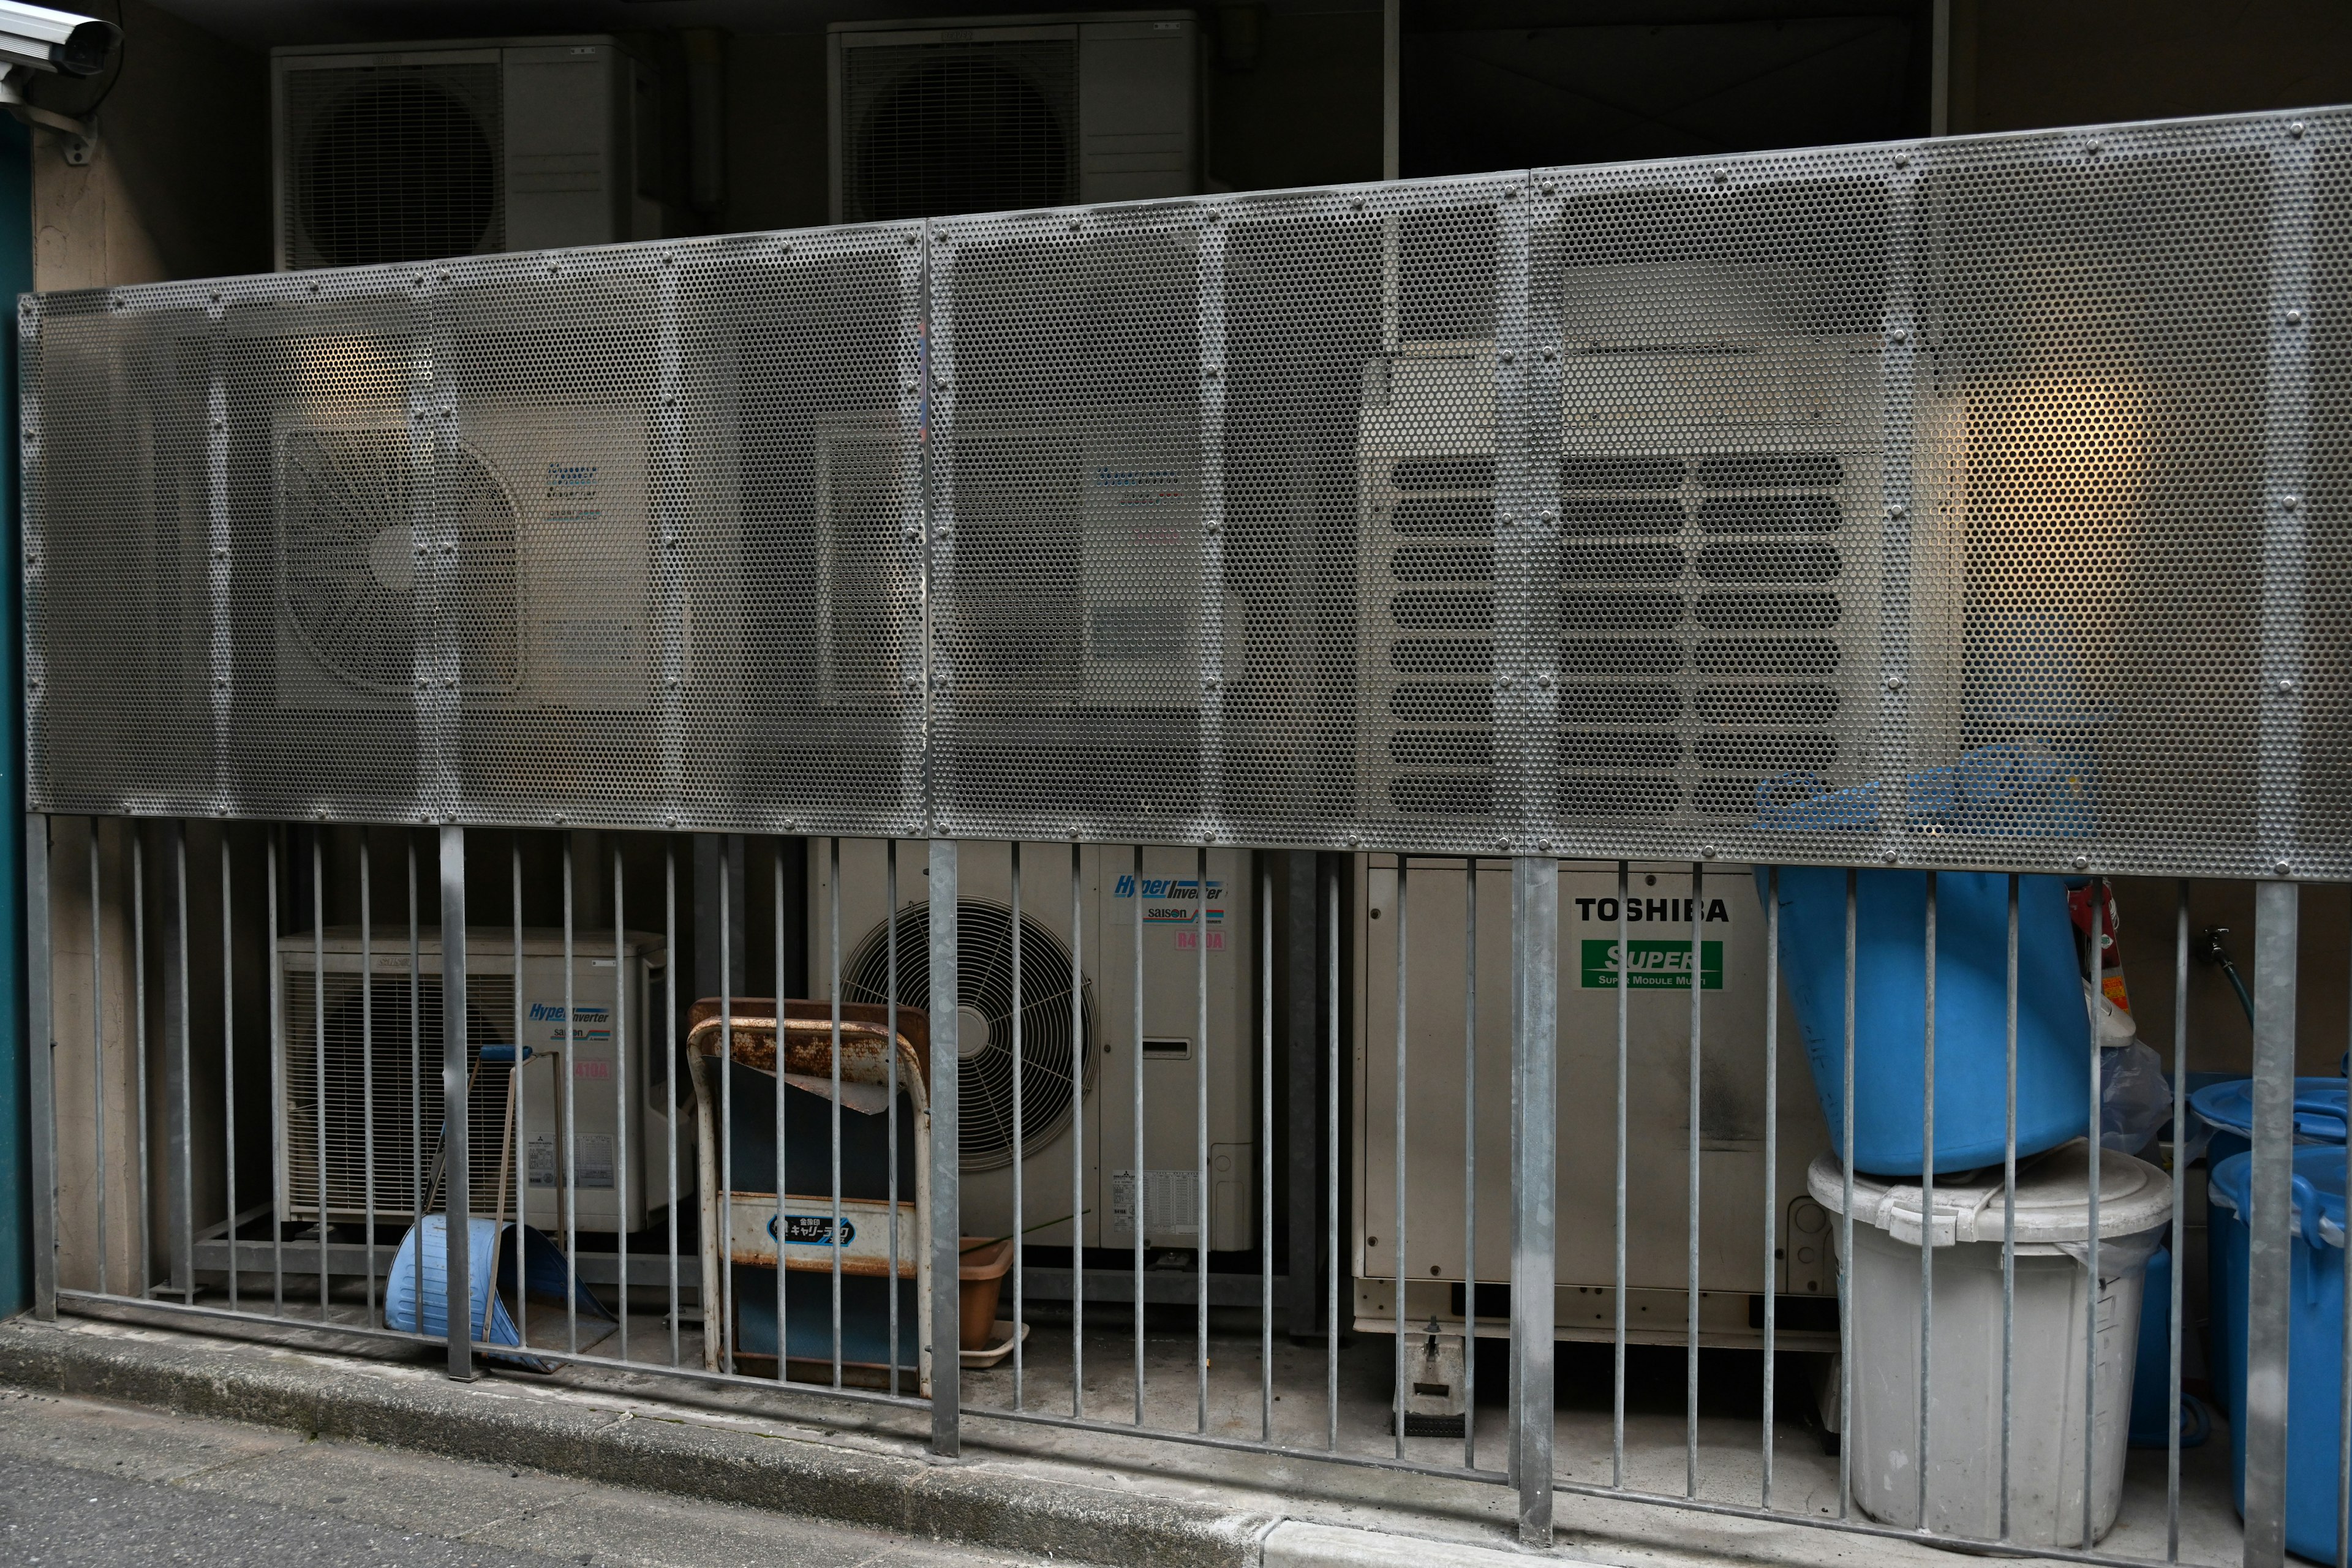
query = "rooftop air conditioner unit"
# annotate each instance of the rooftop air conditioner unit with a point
(1000, 114)
(348, 1046)
(398, 153)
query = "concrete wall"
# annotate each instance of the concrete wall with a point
(179, 186)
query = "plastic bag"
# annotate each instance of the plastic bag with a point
(2134, 1101)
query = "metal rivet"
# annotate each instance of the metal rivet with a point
(314, 287)
(421, 549)
(1358, 204)
(2295, 318)
(2097, 145)
(670, 539)
(1548, 353)
(1544, 844)
(2285, 685)
(448, 680)
(220, 683)
(910, 239)
(2279, 867)
(671, 683)
(1895, 508)
(422, 683)
(1706, 853)
(669, 819)
(910, 386)
(559, 817)
(1901, 334)
(1543, 682)
(670, 397)
(450, 547)
(2294, 128)
(1721, 177)
(1504, 681)
(1077, 223)
(1552, 516)
(1506, 356)
(1888, 857)
(219, 424)
(1550, 188)
(2290, 503)
(670, 257)
(2081, 862)
(1213, 215)
(215, 296)
(1210, 373)
(1509, 517)
(444, 275)
(1216, 527)
(1353, 840)
(1516, 192)
(1208, 683)
(1901, 160)
(1895, 683)
(220, 552)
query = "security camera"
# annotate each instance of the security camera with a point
(58, 41)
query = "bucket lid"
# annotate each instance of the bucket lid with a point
(2318, 1190)
(2319, 1107)
(2052, 1204)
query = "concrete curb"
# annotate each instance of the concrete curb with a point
(973, 1506)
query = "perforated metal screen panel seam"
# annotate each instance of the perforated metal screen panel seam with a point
(1966, 502)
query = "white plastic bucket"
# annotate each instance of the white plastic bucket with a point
(2053, 1291)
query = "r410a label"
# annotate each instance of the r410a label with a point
(1655, 965)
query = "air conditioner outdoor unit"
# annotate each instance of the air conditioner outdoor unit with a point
(1078, 570)
(1168, 901)
(994, 114)
(1721, 542)
(403, 151)
(370, 1051)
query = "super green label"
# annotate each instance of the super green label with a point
(1654, 966)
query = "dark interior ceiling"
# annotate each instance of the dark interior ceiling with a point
(1498, 85)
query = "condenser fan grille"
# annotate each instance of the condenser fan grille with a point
(959, 128)
(374, 1067)
(1049, 1041)
(348, 555)
(394, 163)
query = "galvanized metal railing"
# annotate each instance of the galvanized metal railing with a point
(1949, 506)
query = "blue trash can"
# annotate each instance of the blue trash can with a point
(2315, 1345)
(2152, 1372)
(2053, 1031)
(2228, 1108)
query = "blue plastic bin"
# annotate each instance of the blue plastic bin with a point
(417, 1293)
(2228, 1108)
(2152, 1368)
(2053, 1032)
(2315, 1345)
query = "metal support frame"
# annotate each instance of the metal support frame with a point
(456, 1166)
(1535, 1161)
(947, 1427)
(2270, 1258)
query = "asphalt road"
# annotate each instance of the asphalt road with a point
(85, 1483)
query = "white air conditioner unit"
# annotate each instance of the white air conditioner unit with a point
(1077, 576)
(1722, 541)
(371, 1052)
(1169, 903)
(1738, 1262)
(995, 114)
(404, 151)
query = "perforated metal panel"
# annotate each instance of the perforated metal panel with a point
(1966, 503)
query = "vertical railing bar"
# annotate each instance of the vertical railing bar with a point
(2179, 1237)
(521, 1121)
(669, 1080)
(367, 1072)
(1691, 1198)
(1397, 1415)
(1845, 1227)
(1020, 1150)
(2099, 934)
(1332, 1162)
(1617, 1343)
(1927, 1204)
(2009, 1212)
(139, 1047)
(418, 1197)
(280, 1193)
(1265, 1150)
(319, 1038)
(726, 1325)
(945, 1153)
(458, 1162)
(1535, 1166)
(620, 1097)
(1141, 1174)
(40, 1047)
(1771, 1149)
(833, 950)
(2270, 1250)
(183, 1135)
(1077, 1143)
(1469, 1162)
(890, 1002)
(569, 1068)
(97, 1043)
(2344, 1359)
(777, 1131)
(1200, 1140)
(780, 1175)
